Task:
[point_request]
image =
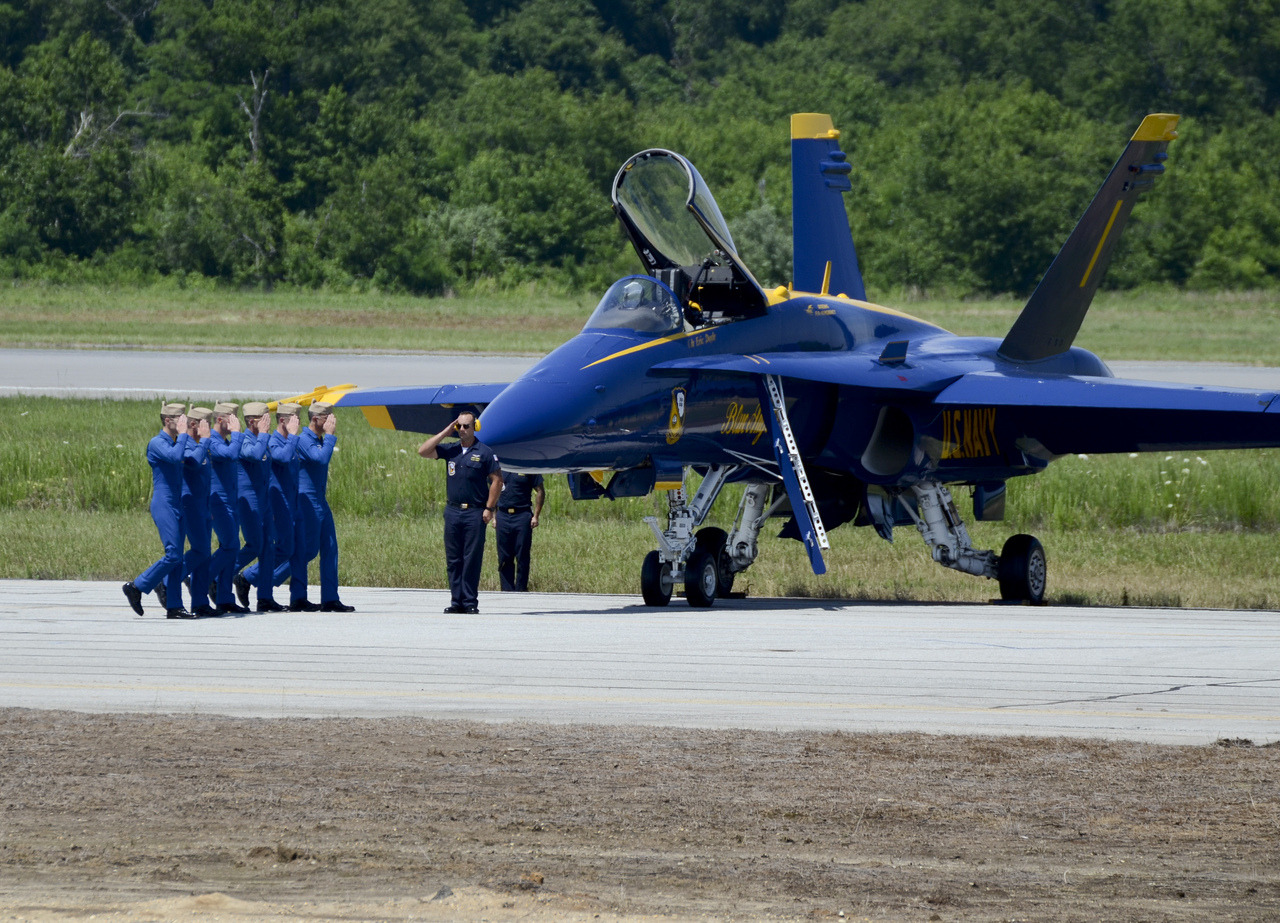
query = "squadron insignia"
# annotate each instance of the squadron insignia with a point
(675, 422)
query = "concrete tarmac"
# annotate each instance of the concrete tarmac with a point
(1158, 675)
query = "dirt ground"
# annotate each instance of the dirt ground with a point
(128, 817)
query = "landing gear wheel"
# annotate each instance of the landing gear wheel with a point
(655, 581)
(1022, 569)
(700, 578)
(715, 542)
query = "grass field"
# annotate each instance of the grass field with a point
(1181, 529)
(1152, 325)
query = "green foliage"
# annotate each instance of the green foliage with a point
(436, 147)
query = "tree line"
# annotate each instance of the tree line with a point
(439, 145)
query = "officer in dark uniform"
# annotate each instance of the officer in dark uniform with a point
(473, 486)
(225, 445)
(519, 506)
(253, 507)
(196, 523)
(316, 444)
(165, 452)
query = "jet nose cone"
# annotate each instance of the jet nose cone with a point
(528, 423)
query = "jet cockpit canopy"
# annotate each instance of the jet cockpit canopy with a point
(638, 303)
(677, 229)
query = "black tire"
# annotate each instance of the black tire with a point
(716, 543)
(700, 578)
(655, 581)
(1022, 570)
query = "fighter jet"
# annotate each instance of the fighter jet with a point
(827, 408)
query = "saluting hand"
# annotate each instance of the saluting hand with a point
(330, 424)
(291, 425)
(233, 423)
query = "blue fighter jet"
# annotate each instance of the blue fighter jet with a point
(828, 409)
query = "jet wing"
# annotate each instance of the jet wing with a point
(426, 409)
(853, 369)
(1076, 414)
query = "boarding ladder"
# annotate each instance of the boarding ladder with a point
(773, 383)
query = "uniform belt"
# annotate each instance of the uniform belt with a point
(517, 509)
(463, 506)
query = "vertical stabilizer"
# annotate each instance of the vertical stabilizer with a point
(820, 228)
(1051, 319)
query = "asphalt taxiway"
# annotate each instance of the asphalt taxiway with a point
(1157, 675)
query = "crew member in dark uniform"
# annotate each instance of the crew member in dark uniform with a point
(165, 452)
(473, 486)
(519, 506)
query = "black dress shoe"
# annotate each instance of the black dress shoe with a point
(336, 605)
(269, 605)
(242, 589)
(162, 594)
(454, 610)
(134, 595)
(178, 614)
(226, 608)
(203, 612)
(303, 605)
(471, 610)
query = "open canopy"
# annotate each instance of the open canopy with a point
(677, 229)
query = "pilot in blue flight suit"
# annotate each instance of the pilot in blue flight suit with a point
(315, 449)
(196, 524)
(473, 486)
(282, 496)
(253, 507)
(225, 445)
(519, 506)
(165, 453)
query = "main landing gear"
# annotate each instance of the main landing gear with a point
(705, 561)
(1020, 567)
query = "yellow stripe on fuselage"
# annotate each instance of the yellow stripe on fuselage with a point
(865, 305)
(845, 299)
(658, 342)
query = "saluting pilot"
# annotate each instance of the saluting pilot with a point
(165, 452)
(316, 444)
(225, 444)
(196, 524)
(473, 486)
(253, 506)
(519, 506)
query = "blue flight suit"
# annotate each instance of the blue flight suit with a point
(165, 455)
(467, 490)
(282, 497)
(514, 528)
(196, 524)
(224, 494)
(318, 534)
(255, 513)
